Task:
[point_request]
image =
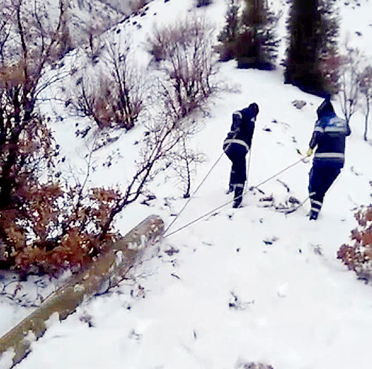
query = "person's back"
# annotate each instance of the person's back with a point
(331, 141)
(329, 136)
(243, 123)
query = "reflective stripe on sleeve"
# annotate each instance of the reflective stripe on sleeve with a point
(237, 141)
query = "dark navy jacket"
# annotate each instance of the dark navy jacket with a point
(329, 137)
(242, 128)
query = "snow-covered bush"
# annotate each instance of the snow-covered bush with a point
(357, 256)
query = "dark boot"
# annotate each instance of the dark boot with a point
(313, 215)
(231, 181)
(238, 197)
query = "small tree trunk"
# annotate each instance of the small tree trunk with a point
(188, 172)
(366, 118)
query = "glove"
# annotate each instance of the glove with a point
(309, 152)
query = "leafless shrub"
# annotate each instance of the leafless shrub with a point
(92, 101)
(129, 84)
(184, 52)
(183, 162)
(112, 98)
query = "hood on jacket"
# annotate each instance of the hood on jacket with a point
(253, 109)
(325, 108)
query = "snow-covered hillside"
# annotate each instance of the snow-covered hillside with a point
(95, 16)
(239, 285)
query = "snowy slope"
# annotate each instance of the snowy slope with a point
(241, 285)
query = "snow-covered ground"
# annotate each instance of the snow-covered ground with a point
(239, 285)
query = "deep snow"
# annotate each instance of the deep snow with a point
(241, 285)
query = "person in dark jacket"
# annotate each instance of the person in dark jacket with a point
(236, 146)
(329, 139)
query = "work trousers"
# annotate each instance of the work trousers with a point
(238, 175)
(321, 177)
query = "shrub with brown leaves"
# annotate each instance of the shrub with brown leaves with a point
(44, 227)
(54, 230)
(358, 255)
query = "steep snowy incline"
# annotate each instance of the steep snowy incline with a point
(238, 286)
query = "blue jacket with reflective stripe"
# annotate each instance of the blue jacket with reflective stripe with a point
(329, 137)
(242, 129)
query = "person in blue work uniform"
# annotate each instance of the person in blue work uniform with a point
(328, 138)
(236, 146)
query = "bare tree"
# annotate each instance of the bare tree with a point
(349, 82)
(25, 141)
(161, 140)
(365, 85)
